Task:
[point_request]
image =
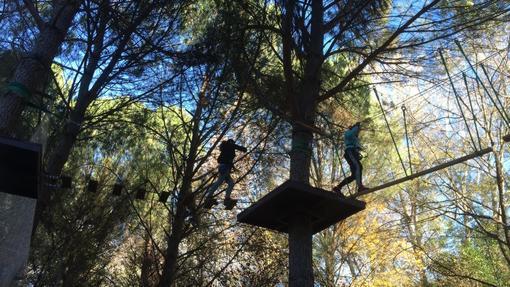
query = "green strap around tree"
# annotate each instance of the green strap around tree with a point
(301, 145)
(22, 91)
(19, 89)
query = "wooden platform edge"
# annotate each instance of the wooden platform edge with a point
(290, 183)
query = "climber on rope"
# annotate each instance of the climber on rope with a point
(353, 156)
(225, 164)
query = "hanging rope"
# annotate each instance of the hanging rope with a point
(407, 140)
(482, 84)
(457, 99)
(438, 84)
(495, 92)
(391, 133)
(472, 110)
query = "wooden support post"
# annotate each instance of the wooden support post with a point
(300, 251)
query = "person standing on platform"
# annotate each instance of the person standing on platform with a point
(225, 164)
(352, 156)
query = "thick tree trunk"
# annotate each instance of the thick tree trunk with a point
(300, 156)
(172, 251)
(503, 216)
(87, 93)
(148, 261)
(33, 70)
(300, 252)
(32, 73)
(178, 224)
(300, 231)
(59, 154)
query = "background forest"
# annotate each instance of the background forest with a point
(139, 94)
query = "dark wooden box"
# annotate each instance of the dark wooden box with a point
(20, 167)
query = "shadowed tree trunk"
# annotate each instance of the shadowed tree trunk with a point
(148, 264)
(31, 75)
(88, 92)
(305, 105)
(33, 70)
(185, 196)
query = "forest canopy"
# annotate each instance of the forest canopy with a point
(132, 102)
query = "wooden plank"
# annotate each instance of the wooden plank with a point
(425, 172)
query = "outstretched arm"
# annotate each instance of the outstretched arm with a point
(241, 148)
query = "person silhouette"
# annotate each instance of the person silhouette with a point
(225, 164)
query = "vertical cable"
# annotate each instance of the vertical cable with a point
(407, 141)
(391, 133)
(475, 120)
(482, 84)
(457, 99)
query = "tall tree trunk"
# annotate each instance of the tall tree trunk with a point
(148, 262)
(32, 72)
(58, 156)
(185, 197)
(87, 94)
(172, 251)
(503, 228)
(300, 232)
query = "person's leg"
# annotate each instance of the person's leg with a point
(357, 168)
(359, 174)
(350, 178)
(217, 183)
(230, 187)
(355, 164)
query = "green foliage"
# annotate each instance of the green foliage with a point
(410, 235)
(95, 225)
(478, 261)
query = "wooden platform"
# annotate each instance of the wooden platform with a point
(325, 208)
(20, 167)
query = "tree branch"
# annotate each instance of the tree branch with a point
(33, 11)
(376, 52)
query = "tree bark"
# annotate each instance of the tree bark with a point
(504, 228)
(32, 73)
(300, 252)
(148, 261)
(304, 110)
(87, 94)
(185, 197)
(33, 70)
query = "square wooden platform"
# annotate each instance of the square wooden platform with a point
(325, 208)
(20, 167)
